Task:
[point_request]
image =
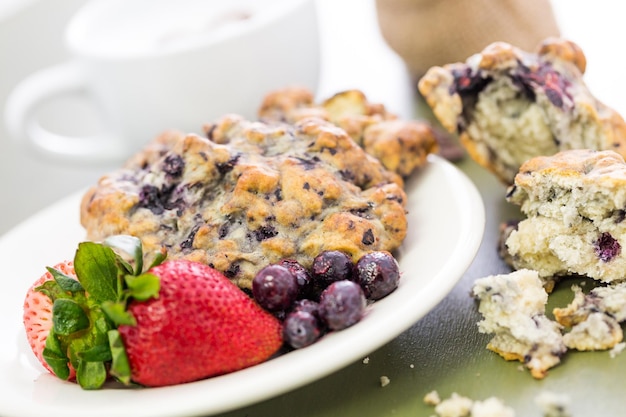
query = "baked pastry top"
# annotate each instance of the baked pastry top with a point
(249, 194)
(401, 145)
(508, 105)
(575, 207)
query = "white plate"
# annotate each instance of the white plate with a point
(446, 223)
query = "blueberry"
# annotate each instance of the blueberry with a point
(330, 266)
(305, 281)
(342, 304)
(275, 288)
(607, 247)
(301, 328)
(378, 273)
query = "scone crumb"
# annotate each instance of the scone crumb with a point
(491, 407)
(432, 398)
(460, 406)
(553, 404)
(455, 406)
(617, 349)
(384, 381)
(366, 360)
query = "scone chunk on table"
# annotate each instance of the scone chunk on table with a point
(574, 204)
(249, 194)
(595, 317)
(400, 145)
(508, 105)
(513, 309)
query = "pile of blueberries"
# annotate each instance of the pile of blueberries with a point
(331, 295)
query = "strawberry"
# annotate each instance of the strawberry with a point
(38, 315)
(178, 322)
(200, 325)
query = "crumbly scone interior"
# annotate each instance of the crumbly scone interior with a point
(513, 309)
(508, 105)
(574, 207)
(508, 127)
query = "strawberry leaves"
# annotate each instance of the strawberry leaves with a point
(120, 367)
(68, 317)
(97, 270)
(87, 310)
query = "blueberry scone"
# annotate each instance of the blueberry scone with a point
(509, 105)
(574, 204)
(401, 146)
(513, 309)
(594, 318)
(249, 194)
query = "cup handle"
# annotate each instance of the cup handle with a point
(46, 85)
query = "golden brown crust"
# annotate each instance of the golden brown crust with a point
(584, 165)
(251, 195)
(564, 50)
(401, 146)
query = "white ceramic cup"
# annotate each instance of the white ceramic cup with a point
(153, 65)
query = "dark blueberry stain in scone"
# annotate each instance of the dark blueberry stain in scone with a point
(158, 200)
(173, 165)
(468, 84)
(347, 175)
(364, 211)
(619, 216)
(396, 198)
(544, 78)
(150, 197)
(308, 163)
(188, 242)
(368, 237)
(223, 230)
(607, 247)
(278, 193)
(225, 167)
(209, 132)
(232, 270)
(265, 232)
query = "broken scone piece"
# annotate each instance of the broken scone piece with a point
(575, 207)
(509, 105)
(400, 145)
(513, 309)
(594, 318)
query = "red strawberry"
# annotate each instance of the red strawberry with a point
(38, 315)
(179, 322)
(200, 325)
